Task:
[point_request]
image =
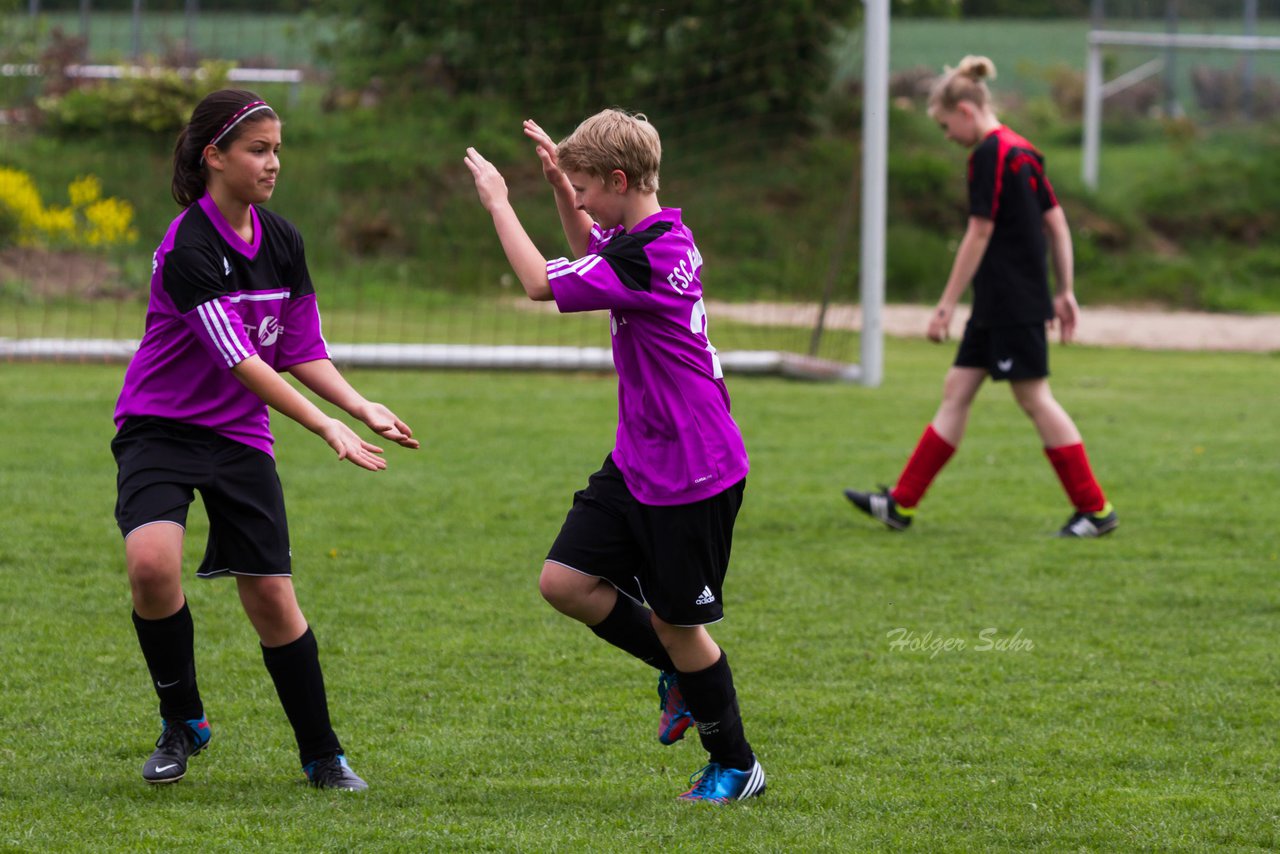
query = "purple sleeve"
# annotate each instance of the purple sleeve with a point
(301, 339)
(590, 283)
(217, 326)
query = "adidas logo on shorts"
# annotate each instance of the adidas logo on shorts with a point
(706, 597)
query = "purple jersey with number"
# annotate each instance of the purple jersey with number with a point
(676, 441)
(215, 301)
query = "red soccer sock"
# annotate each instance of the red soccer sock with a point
(1072, 465)
(930, 455)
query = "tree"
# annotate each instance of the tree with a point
(703, 57)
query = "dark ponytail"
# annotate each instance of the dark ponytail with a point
(209, 119)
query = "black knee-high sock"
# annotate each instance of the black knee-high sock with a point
(295, 669)
(168, 645)
(710, 696)
(629, 628)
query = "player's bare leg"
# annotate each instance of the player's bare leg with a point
(272, 608)
(1052, 421)
(586, 598)
(153, 558)
(959, 389)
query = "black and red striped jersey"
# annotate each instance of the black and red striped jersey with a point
(1008, 185)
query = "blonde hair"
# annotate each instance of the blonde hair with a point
(614, 139)
(963, 83)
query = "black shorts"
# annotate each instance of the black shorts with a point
(1005, 352)
(161, 462)
(672, 557)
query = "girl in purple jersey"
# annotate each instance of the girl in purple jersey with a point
(1013, 213)
(655, 524)
(231, 305)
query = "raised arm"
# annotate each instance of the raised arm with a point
(1062, 255)
(261, 379)
(525, 259)
(322, 377)
(972, 247)
(575, 222)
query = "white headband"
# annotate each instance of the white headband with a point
(241, 114)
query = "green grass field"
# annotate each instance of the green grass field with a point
(1141, 717)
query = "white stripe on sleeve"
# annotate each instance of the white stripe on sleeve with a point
(214, 335)
(235, 339)
(581, 266)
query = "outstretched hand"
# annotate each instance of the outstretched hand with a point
(1067, 312)
(385, 423)
(546, 152)
(489, 181)
(351, 447)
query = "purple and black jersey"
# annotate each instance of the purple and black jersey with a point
(1007, 185)
(215, 301)
(676, 442)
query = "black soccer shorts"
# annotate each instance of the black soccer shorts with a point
(1006, 352)
(162, 462)
(672, 557)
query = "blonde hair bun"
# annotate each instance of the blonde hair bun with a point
(977, 67)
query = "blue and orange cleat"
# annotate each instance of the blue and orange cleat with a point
(178, 742)
(676, 717)
(715, 784)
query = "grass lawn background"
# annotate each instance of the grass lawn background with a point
(1141, 717)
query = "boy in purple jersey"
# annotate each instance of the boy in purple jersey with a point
(231, 305)
(655, 523)
(1014, 220)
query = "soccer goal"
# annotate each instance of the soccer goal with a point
(1097, 89)
(788, 207)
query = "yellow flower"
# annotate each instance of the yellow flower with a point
(110, 223)
(84, 191)
(89, 221)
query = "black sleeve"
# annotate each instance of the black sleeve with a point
(192, 276)
(1047, 198)
(627, 257)
(982, 178)
(299, 279)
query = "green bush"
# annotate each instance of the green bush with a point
(569, 59)
(927, 190)
(1199, 196)
(158, 101)
(917, 261)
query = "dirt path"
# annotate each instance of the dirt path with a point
(1147, 329)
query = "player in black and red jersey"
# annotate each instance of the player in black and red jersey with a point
(1015, 221)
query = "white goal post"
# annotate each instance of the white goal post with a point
(1095, 89)
(875, 148)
